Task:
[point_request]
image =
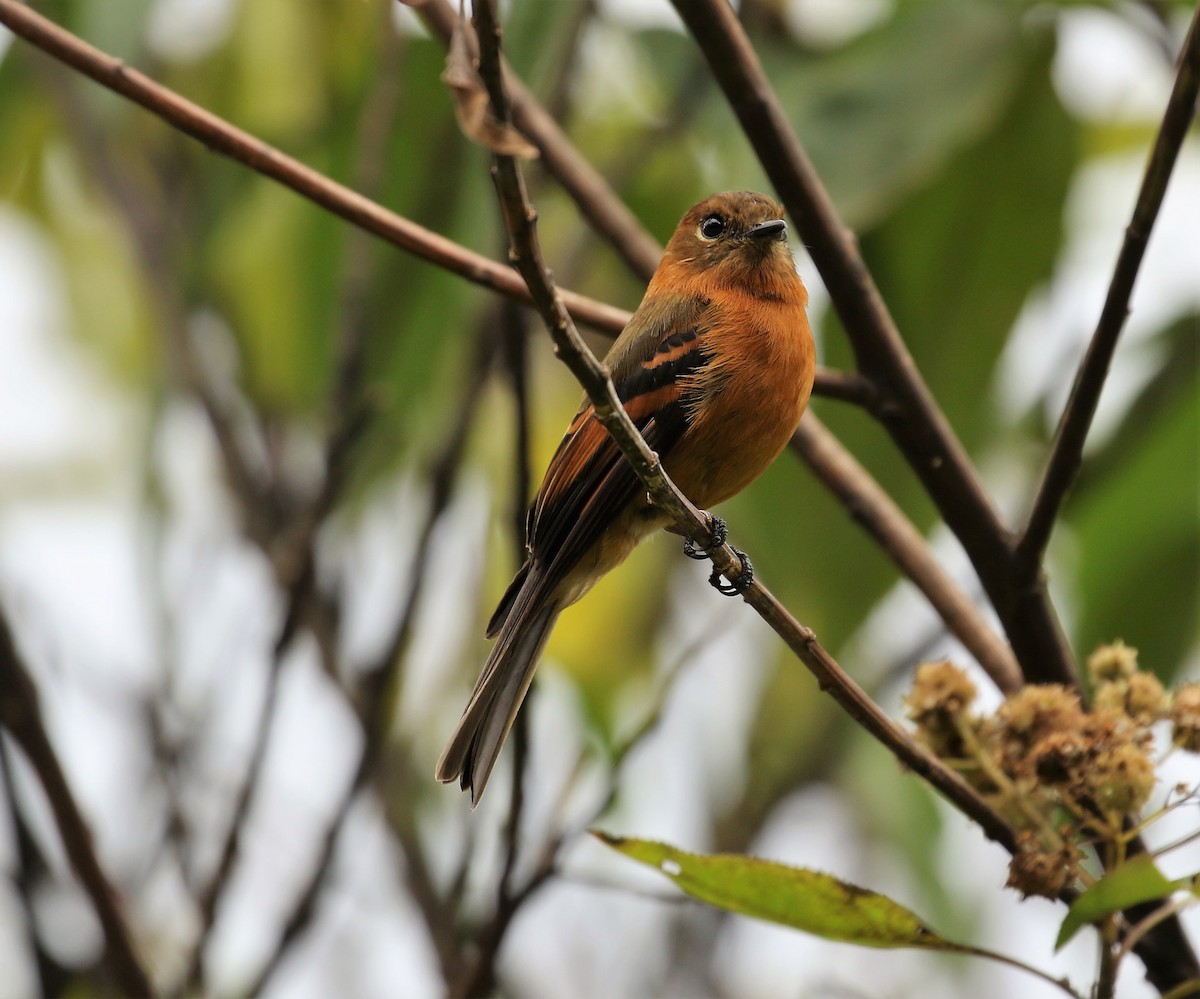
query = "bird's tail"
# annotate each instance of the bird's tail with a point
(473, 748)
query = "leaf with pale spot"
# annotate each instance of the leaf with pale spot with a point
(802, 899)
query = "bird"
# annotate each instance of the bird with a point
(715, 369)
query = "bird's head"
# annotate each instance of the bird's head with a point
(737, 239)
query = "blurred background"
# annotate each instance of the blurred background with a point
(259, 476)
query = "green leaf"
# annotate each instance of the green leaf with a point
(792, 896)
(1136, 880)
(928, 82)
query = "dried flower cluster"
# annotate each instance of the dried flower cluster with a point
(1065, 775)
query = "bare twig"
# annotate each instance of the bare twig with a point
(838, 470)
(219, 136)
(878, 514)
(609, 217)
(375, 704)
(521, 221)
(1067, 452)
(21, 715)
(514, 352)
(52, 977)
(905, 405)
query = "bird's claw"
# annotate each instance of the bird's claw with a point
(734, 587)
(719, 535)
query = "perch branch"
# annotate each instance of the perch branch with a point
(837, 469)
(905, 405)
(877, 513)
(520, 219)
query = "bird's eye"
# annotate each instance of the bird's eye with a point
(712, 227)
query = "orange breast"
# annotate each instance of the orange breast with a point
(749, 398)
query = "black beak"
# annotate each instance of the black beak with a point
(776, 228)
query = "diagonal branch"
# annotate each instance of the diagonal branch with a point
(221, 137)
(905, 405)
(839, 471)
(583, 182)
(870, 505)
(1067, 452)
(21, 715)
(521, 219)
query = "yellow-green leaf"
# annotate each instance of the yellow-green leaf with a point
(802, 899)
(1136, 880)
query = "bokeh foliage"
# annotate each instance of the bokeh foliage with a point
(941, 136)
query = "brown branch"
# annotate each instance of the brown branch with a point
(515, 358)
(521, 221)
(21, 715)
(53, 978)
(222, 137)
(838, 469)
(1067, 452)
(905, 405)
(608, 216)
(375, 703)
(867, 502)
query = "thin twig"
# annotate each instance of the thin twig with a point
(21, 715)
(1067, 452)
(376, 701)
(31, 865)
(589, 190)
(521, 221)
(877, 513)
(221, 137)
(868, 503)
(905, 405)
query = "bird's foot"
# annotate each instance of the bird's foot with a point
(734, 587)
(719, 535)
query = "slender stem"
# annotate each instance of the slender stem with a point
(1067, 452)
(1012, 962)
(520, 219)
(222, 137)
(905, 405)
(877, 513)
(1106, 980)
(21, 716)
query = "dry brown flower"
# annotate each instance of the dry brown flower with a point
(940, 697)
(1185, 717)
(1036, 870)
(1121, 778)
(1116, 661)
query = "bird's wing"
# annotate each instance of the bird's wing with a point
(588, 482)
